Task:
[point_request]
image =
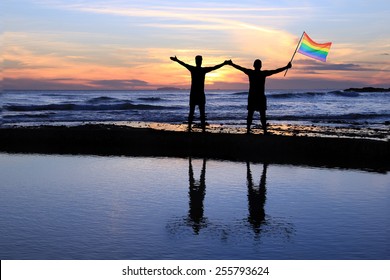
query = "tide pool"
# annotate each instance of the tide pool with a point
(91, 207)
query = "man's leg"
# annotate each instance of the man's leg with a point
(202, 111)
(249, 119)
(263, 120)
(191, 116)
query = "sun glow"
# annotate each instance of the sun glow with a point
(132, 41)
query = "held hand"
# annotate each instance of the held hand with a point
(174, 58)
(228, 62)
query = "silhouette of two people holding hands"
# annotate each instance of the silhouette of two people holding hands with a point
(256, 98)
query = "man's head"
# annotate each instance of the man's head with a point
(257, 64)
(198, 60)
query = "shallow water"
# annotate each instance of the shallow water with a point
(89, 207)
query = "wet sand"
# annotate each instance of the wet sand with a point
(292, 144)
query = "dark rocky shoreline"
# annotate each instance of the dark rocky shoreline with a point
(129, 141)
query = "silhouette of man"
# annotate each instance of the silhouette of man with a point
(197, 95)
(196, 195)
(256, 97)
(256, 198)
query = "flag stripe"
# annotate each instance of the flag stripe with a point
(312, 49)
(306, 40)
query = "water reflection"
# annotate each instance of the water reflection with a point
(254, 226)
(256, 199)
(260, 223)
(196, 194)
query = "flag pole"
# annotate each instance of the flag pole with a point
(295, 52)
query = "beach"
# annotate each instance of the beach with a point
(307, 145)
(342, 128)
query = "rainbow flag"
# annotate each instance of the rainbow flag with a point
(312, 49)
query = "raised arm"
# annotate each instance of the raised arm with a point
(271, 72)
(209, 69)
(174, 58)
(238, 66)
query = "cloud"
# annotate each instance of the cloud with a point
(191, 15)
(296, 83)
(41, 84)
(120, 84)
(121, 40)
(272, 83)
(312, 83)
(13, 64)
(73, 84)
(313, 65)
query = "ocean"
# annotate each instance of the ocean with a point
(228, 107)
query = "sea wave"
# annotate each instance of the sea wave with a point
(312, 94)
(226, 107)
(84, 107)
(307, 94)
(33, 116)
(323, 117)
(102, 99)
(150, 99)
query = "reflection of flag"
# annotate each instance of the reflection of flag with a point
(312, 49)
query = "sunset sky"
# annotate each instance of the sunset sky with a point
(81, 44)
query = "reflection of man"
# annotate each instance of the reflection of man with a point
(256, 97)
(196, 195)
(256, 198)
(197, 95)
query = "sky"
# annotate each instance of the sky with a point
(126, 45)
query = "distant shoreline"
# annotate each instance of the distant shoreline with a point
(129, 141)
(367, 89)
(361, 89)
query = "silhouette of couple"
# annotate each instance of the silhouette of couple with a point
(256, 97)
(197, 193)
